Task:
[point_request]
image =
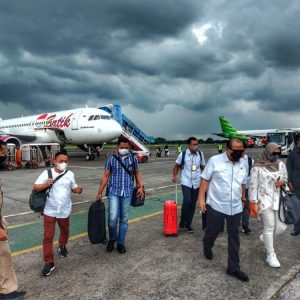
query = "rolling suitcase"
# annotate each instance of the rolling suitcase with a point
(96, 223)
(170, 217)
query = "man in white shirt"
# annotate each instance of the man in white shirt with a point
(191, 162)
(58, 207)
(223, 179)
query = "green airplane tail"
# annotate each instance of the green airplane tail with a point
(227, 128)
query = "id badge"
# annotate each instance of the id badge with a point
(194, 167)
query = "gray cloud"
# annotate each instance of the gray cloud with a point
(196, 57)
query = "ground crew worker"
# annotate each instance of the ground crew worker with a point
(220, 148)
(179, 149)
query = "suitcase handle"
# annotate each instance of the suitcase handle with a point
(176, 191)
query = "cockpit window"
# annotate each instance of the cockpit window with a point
(97, 117)
(105, 117)
(91, 118)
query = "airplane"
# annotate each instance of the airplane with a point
(228, 131)
(88, 128)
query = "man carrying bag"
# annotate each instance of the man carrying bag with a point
(119, 191)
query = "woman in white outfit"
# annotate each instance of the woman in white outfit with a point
(268, 174)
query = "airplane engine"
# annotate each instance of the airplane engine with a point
(10, 140)
(91, 149)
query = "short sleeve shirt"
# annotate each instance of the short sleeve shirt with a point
(225, 184)
(59, 203)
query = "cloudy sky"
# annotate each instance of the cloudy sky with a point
(173, 65)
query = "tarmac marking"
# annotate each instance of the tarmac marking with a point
(84, 234)
(82, 202)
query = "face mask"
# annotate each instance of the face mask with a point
(123, 152)
(236, 155)
(3, 159)
(273, 158)
(62, 166)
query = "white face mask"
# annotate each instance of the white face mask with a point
(62, 166)
(123, 152)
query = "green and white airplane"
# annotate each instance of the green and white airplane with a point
(228, 131)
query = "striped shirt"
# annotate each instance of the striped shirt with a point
(120, 182)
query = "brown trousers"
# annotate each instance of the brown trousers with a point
(8, 279)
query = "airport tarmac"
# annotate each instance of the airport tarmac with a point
(154, 267)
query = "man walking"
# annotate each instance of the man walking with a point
(293, 169)
(191, 162)
(248, 161)
(58, 207)
(120, 171)
(8, 279)
(224, 180)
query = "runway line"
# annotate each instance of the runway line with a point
(83, 202)
(84, 234)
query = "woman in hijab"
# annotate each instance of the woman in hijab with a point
(268, 174)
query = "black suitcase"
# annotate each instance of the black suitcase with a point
(96, 223)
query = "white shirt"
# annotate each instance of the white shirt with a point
(225, 184)
(189, 177)
(262, 187)
(59, 203)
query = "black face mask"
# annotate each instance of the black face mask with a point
(236, 155)
(3, 159)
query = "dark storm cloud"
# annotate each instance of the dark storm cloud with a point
(196, 56)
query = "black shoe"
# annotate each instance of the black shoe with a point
(246, 230)
(49, 267)
(121, 248)
(189, 229)
(62, 251)
(13, 295)
(208, 253)
(294, 232)
(181, 226)
(239, 275)
(110, 245)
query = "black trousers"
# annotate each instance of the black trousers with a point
(215, 221)
(190, 197)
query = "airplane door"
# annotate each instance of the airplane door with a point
(75, 120)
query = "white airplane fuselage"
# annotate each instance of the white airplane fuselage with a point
(76, 126)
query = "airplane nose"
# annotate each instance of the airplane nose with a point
(116, 129)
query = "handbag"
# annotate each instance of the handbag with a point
(37, 199)
(135, 199)
(289, 207)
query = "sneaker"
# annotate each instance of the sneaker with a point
(208, 253)
(239, 275)
(189, 229)
(13, 295)
(49, 267)
(110, 245)
(272, 260)
(62, 251)
(121, 248)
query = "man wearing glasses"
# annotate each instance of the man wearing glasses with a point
(191, 162)
(223, 180)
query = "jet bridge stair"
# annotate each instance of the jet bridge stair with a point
(138, 139)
